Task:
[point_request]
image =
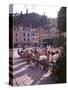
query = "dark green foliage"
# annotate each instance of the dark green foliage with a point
(61, 63)
(61, 41)
(33, 19)
(61, 67)
(62, 19)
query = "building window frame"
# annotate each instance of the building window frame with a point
(16, 34)
(24, 39)
(23, 34)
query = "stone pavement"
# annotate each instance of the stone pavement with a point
(25, 74)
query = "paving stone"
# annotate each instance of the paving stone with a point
(14, 82)
(19, 82)
(28, 82)
(25, 75)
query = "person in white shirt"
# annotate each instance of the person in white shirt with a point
(56, 56)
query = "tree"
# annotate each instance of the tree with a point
(61, 25)
(62, 19)
(61, 64)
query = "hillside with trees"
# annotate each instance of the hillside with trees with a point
(30, 19)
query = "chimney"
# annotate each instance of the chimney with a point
(27, 11)
(44, 14)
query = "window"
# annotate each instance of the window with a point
(23, 34)
(33, 39)
(16, 34)
(33, 34)
(24, 39)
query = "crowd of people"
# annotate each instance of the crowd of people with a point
(43, 57)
